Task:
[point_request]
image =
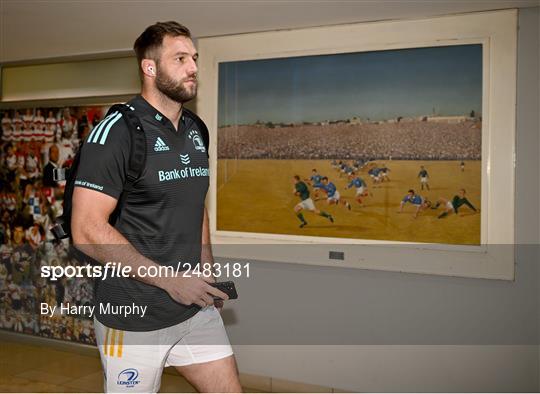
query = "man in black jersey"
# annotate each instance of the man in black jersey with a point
(145, 323)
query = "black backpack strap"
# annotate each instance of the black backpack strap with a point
(201, 126)
(61, 227)
(137, 160)
(137, 154)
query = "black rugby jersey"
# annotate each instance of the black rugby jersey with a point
(162, 216)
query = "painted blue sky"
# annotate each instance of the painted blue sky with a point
(376, 85)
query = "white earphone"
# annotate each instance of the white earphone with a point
(151, 69)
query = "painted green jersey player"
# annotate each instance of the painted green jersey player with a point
(301, 190)
(453, 205)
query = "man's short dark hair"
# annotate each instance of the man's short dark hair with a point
(150, 41)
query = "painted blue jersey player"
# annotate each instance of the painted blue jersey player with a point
(315, 180)
(418, 201)
(343, 168)
(358, 164)
(424, 177)
(333, 196)
(375, 174)
(360, 185)
(383, 173)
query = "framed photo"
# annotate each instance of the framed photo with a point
(386, 145)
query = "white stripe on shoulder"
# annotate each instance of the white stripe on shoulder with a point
(108, 128)
(97, 130)
(105, 123)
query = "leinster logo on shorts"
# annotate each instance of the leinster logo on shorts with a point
(197, 140)
(128, 378)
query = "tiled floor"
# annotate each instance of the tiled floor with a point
(31, 368)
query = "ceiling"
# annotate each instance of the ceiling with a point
(41, 29)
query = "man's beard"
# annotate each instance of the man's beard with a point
(174, 90)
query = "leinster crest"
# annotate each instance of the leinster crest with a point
(197, 140)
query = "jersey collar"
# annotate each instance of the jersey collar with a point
(140, 104)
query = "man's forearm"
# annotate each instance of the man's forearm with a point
(468, 203)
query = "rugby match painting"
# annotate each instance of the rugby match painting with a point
(382, 145)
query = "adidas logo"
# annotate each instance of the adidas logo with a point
(184, 159)
(160, 146)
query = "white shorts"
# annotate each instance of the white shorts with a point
(335, 197)
(133, 361)
(360, 190)
(307, 204)
(449, 205)
(423, 179)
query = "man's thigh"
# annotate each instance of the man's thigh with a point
(204, 356)
(213, 376)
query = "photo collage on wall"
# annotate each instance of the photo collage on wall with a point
(35, 141)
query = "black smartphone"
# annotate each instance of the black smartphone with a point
(226, 287)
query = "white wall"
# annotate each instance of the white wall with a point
(529, 143)
(413, 332)
(44, 29)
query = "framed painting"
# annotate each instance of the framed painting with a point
(377, 145)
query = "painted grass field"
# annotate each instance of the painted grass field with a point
(257, 196)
